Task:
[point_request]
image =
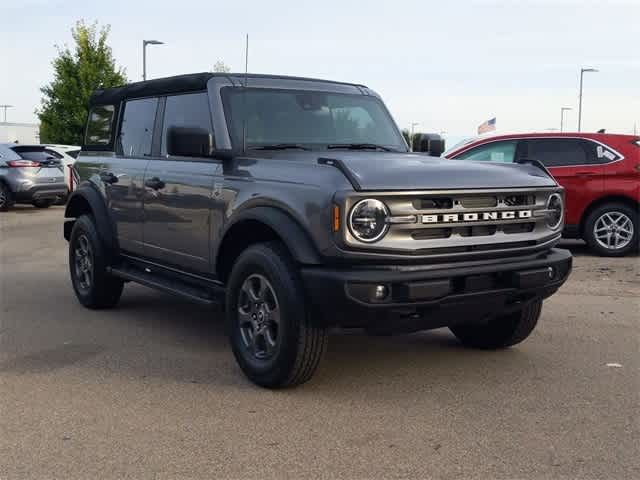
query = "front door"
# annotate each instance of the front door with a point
(178, 192)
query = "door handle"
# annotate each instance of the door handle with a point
(108, 177)
(154, 183)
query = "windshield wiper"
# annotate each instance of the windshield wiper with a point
(280, 146)
(359, 146)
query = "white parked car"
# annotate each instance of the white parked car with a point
(67, 155)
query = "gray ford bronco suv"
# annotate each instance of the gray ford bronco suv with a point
(295, 205)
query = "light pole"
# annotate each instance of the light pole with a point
(5, 111)
(582, 71)
(562, 110)
(411, 135)
(144, 55)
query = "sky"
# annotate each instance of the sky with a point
(446, 65)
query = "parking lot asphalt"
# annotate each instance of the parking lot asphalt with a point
(151, 390)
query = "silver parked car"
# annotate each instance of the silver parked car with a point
(30, 174)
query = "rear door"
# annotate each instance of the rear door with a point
(123, 174)
(178, 191)
(574, 164)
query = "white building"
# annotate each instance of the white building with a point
(28, 133)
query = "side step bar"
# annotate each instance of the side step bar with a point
(202, 295)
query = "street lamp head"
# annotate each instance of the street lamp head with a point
(153, 42)
(588, 69)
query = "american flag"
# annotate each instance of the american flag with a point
(488, 126)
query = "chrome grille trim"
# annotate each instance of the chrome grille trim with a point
(409, 234)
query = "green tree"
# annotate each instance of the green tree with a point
(77, 73)
(221, 67)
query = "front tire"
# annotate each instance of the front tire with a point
(612, 230)
(274, 340)
(502, 331)
(6, 198)
(95, 288)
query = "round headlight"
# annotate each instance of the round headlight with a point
(368, 220)
(555, 211)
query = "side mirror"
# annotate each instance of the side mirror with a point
(429, 143)
(189, 142)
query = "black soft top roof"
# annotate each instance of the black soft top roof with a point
(178, 84)
(159, 86)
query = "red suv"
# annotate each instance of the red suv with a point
(600, 173)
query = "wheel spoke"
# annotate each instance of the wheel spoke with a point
(249, 288)
(244, 317)
(258, 317)
(274, 314)
(269, 341)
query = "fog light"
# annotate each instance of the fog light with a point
(380, 292)
(552, 272)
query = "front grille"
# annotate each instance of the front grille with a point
(431, 233)
(518, 228)
(478, 202)
(463, 221)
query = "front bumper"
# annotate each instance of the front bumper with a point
(432, 296)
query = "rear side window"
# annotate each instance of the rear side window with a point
(34, 154)
(99, 125)
(504, 152)
(562, 152)
(136, 132)
(190, 110)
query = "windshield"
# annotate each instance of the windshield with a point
(309, 119)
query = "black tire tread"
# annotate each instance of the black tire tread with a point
(107, 289)
(501, 332)
(312, 338)
(9, 195)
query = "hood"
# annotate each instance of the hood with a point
(410, 171)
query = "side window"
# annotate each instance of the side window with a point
(492, 152)
(99, 125)
(559, 152)
(136, 132)
(189, 110)
(52, 153)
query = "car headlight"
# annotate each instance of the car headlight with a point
(555, 211)
(368, 220)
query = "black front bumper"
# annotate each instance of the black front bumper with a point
(432, 296)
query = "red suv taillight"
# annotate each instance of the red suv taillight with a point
(23, 163)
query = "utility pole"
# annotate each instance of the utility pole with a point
(144, 55)
(582, 72)
(411, 135)
(5, 111)
(562, 110)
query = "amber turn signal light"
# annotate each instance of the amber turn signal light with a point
(336, 218)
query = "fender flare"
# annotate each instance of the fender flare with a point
(292, 234)
(76, 206)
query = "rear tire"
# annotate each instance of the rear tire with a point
(500, 332)
(6, 198)
(42, 203)
(94, 287)
(273, 338)
(612, 230)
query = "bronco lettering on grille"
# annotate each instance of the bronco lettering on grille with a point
(477, 216)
